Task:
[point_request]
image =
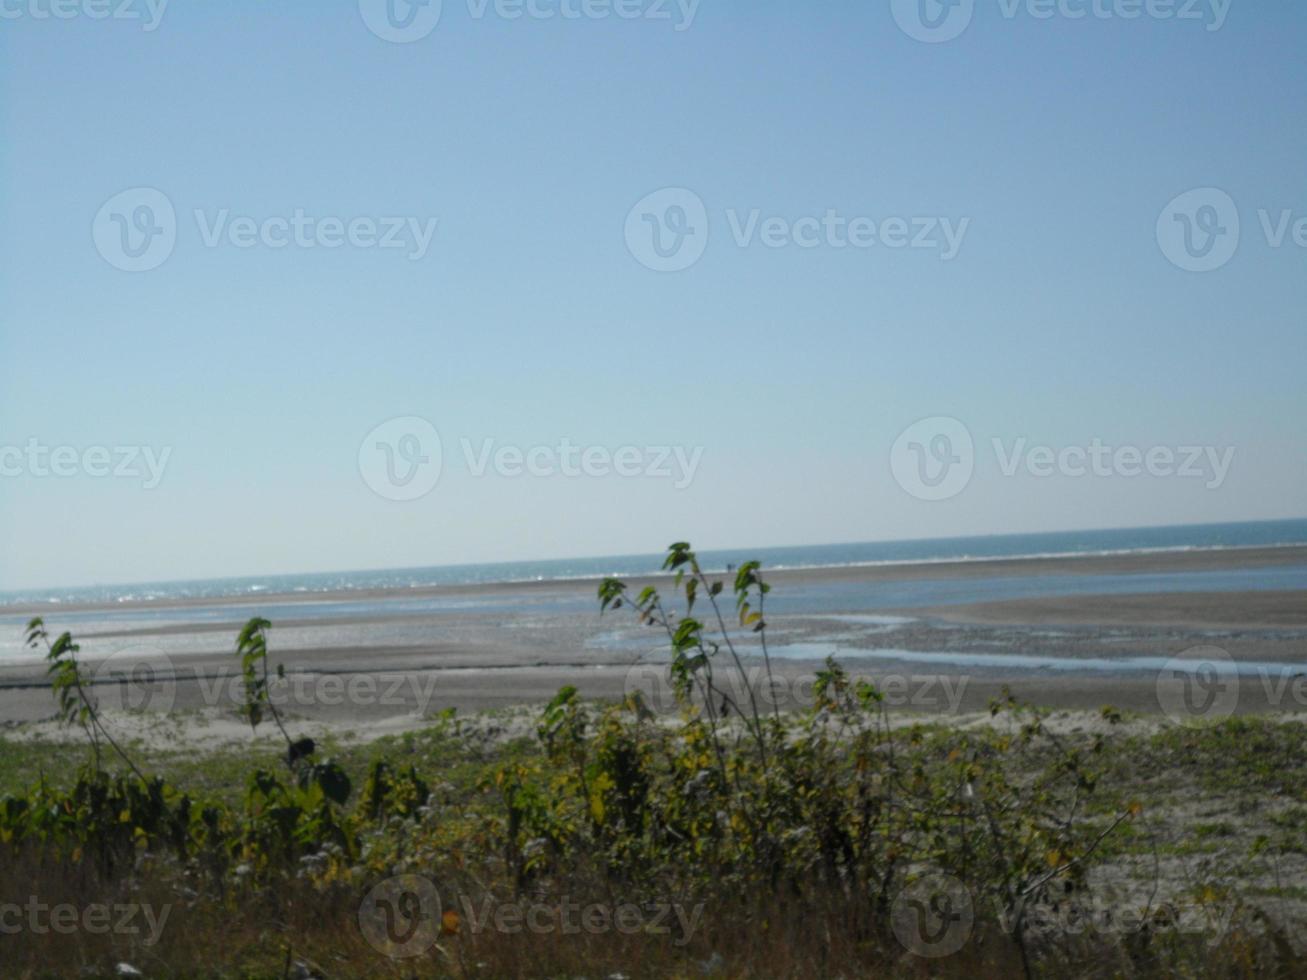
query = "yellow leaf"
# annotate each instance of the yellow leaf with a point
(449, 922)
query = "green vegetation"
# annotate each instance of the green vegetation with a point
(744, 842)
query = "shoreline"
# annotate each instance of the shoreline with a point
(1124, 562)
(1261, 610)
(516, 644)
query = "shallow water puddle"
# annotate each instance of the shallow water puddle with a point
(820, 651)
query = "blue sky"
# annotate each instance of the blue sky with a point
(530, 319)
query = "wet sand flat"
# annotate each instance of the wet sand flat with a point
(519, 651)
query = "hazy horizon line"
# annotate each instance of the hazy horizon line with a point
(640, 554)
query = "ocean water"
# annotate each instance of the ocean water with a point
(558, 622)
(1103, 542)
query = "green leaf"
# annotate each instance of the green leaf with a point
(333, 780)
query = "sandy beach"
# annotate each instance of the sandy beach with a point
(1131, 563)
(513, 644)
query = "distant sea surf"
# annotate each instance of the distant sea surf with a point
(1061, 543)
